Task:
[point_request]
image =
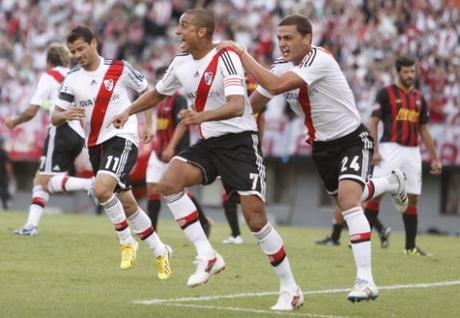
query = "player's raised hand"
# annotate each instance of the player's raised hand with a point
(239, 48)
(120, 119)
(436, 167)
(190, 117)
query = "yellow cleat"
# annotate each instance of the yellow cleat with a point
(128, 255)
(162, 264)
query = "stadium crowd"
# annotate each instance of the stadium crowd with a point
(364, 36)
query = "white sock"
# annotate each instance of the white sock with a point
(186, 215)
(64, 183)
(142, 226)
(39, 201)
(272, 245)
(360, 238)
(376, 187)
(116, 214)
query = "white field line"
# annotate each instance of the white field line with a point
(157, 301)
(252, 310)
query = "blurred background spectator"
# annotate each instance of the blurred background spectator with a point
(364, 36)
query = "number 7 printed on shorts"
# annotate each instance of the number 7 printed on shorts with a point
(254, 177)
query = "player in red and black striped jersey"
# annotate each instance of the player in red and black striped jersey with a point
(404, 114)
(170, 139)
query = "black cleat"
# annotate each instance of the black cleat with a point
(328, 241)
(384, 237)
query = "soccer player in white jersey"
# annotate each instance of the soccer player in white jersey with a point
(93, 91)
(214, 82)
(316, 89)
(62, 145)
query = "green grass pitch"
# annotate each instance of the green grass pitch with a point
(72, 270)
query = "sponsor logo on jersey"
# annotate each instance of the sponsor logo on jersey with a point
(93, 82)
(108, 84)
(211, 94)
(408, 115)
(208, 77)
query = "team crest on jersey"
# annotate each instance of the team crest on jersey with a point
(208, 77)
(108, 84)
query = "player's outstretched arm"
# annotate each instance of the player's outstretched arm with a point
(271, 82)
(147, 100)
(23, 117)
(59, 116)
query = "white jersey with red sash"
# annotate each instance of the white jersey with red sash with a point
(206, 83)
(326, 102)
(103, 93)
(46, 93)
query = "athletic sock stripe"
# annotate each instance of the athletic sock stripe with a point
(39, 201)
(278, 257)
(187, 220)
(373, 206)
(174, 197)
(111, 203)
(146, 233)
(121, 226)
(63, 183)
(411, 210)
(360, 237)
(155, 197)
(266, 230)
(370, 189)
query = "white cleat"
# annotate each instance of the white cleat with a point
(400, 199)
(237, 240)
(363, 290)
(204, 269)
(288, 301)
(27, 231)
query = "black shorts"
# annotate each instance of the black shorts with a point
(236, 158)
(62, 146)
(115, 157)
(348, 157)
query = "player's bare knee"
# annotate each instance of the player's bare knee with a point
(166, 188)
(255, 214)
(347, 203)
(130, 207)
(102, 193)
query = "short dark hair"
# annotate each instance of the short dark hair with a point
(81, 31)
(303, 25)
(203, 18)
(403, 61)
(58, 55)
